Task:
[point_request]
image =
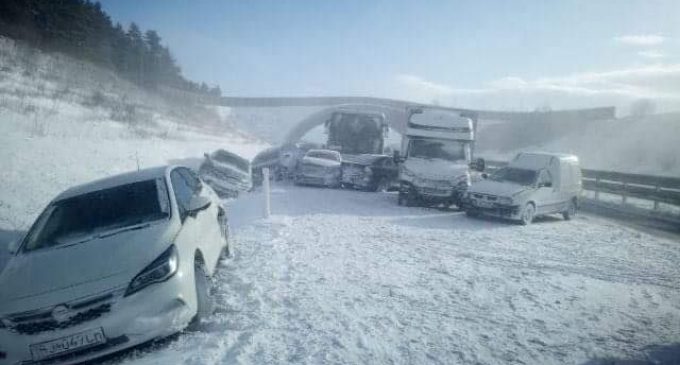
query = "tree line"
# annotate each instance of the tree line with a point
(81, 28)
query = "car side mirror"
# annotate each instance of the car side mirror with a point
(197, 203)
(13, 246)
(478, 164)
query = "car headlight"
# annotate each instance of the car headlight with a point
(462, 181)
(161, 269)
(368, 170)
(407, 172)
(505, 200)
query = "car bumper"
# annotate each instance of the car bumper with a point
(317, 180)
(496, 210)
(154, 312)
(432, 194)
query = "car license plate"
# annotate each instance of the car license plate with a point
(64, 345)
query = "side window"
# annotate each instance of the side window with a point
(545, 178)
(191, 179)
(182, 188)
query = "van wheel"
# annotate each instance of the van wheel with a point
(204, 301)
(528, 214)
(570, 213)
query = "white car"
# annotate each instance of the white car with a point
(532, 184)
(320, 167)
(112, 264)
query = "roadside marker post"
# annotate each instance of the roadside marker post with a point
(267, 192)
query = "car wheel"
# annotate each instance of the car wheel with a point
(204, 301)
(472, 213)
(382, 185)
(402, 198)
(528, 214)
(571, 211)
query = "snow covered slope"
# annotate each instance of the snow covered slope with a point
(345, 277)
(64, 122)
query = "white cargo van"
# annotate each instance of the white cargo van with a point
(531, 184)
(438, 149)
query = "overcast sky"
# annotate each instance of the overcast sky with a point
(496, 54)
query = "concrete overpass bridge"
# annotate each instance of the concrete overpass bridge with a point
(395, 111)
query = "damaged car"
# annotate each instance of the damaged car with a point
(320, 168)
(370, 172)
(227, 173)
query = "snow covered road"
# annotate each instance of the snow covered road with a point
(350, 277)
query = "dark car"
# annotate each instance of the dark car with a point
(370, 172)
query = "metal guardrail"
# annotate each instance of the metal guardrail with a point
(656, 189)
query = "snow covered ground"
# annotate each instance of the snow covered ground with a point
(349, 277)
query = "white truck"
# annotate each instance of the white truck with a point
(436, 161)
(532, 184)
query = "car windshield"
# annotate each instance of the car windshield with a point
(323, 155)
(82, 217)
(515, 175)
(437, 149)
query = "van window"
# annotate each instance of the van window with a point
(544, 178)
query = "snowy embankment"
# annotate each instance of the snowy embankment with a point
(64, 122)
(349, 277)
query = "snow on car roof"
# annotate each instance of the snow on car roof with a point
(116, 180)
(440, 118)
(539, 159)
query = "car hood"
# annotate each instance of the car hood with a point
(56, 275)
(320, 162)
(498, 188)
(436, 169)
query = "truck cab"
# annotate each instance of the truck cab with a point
(437, 152)
(532, 184)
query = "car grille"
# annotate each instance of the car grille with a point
(313, 170)
(435, 191)
(80, 311)
(491, 198)
(350, 173)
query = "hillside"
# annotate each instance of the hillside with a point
(65, 122)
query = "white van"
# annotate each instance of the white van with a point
(531, 184)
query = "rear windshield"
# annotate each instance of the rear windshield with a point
(86, 216)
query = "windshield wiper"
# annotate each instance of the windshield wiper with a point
(123, 229)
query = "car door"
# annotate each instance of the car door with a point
(211, 238)
(545, 195)
(190, 232)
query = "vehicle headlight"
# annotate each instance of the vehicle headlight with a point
(505, 200)
(368, 170)
(462, 181)
(161, 269)
(407, 172)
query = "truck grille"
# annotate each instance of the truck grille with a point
(80, 311)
